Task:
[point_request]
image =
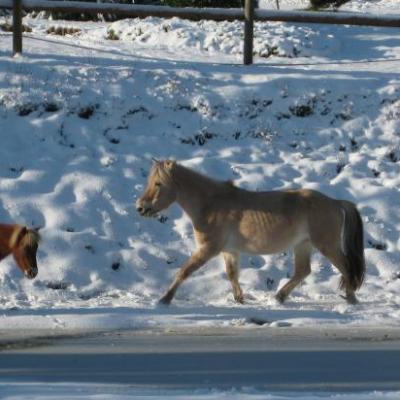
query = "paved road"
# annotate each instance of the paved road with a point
(265, 358)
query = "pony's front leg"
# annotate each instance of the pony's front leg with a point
(197, 260)
(232, 270)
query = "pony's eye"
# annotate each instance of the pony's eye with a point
(158, 184)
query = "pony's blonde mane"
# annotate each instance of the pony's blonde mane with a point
(162, 172)
(31, 237)
(171, 172)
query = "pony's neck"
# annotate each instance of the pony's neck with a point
(6, 237)
(193, 190)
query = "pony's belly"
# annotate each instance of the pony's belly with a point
(265, 247)
(268, 238)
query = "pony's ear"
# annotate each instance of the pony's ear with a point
(36, 232)
(169, 164)
(156, 160)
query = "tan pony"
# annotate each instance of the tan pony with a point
(22, 243)
(228, 220)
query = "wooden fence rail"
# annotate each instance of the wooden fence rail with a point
(248, 15)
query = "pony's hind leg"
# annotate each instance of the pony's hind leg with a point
(232, 270)
(338, 259)
(302, 257)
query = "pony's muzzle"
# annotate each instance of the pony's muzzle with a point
(146, 212)
(31, 274)
(143, 211)
(140, 207)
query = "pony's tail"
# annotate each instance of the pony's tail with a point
(353, 246)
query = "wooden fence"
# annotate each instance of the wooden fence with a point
(248, 15)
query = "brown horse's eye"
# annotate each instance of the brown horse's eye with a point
(158, 184)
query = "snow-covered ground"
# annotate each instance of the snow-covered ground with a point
(82, 115)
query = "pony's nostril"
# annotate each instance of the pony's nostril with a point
(32, 273)
(139, 210)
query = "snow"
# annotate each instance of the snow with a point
(81, 117)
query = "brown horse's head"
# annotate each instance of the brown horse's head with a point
(24, 247)
(160, 192)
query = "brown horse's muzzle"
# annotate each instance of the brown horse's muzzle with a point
(31, 273)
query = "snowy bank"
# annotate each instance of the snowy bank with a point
(81, 116)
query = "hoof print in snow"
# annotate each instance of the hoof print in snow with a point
(163, 219)
(86, 112)
(137, 110)
(17, 170)
(263, 134)
(354, 144)
(114, 140)
(69, 229)
(302, 110)
(201, 139)
(255, 108)
(270, 283)
(344, 116)
(51, 107)
(325, 111)
(89, 248)
(377, 245)
(185, 107)
(115, 266)
(393, 156)
(280, 116)
(58, 285)
(376, 173)
(25, 109)
(339, 168)
(188, 140)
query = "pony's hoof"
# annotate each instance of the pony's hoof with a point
(280, 298)
(351, 299)
(164, 301)
(239, 300)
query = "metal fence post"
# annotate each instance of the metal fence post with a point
(17, 26)
(248, 32)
